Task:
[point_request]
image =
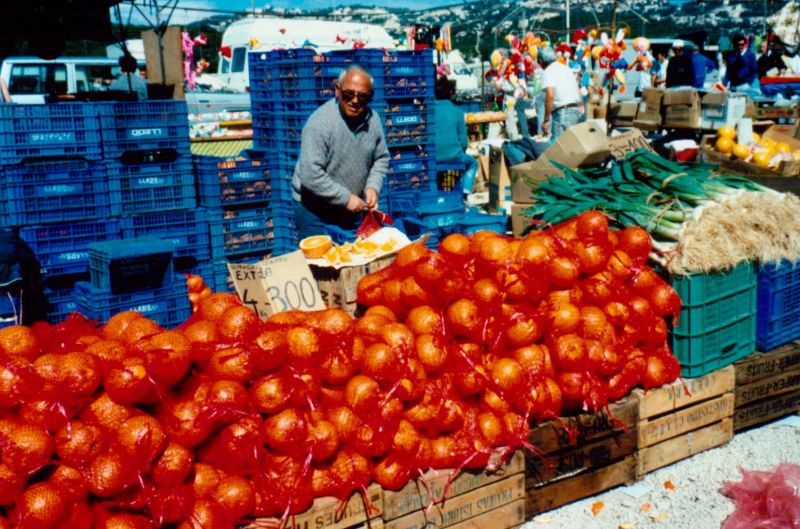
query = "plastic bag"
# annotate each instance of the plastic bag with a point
(765, 499)
(373, 221)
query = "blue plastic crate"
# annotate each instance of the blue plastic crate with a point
(416, 228)
(778, 315)
(440, 202)
(161, 186)
(232, 182)
(54, 191)
(144, 125)
(168, 306)
(204, 269)
(241, 231)
(419, 165)
(63, 248)
(62, 301)
(340, 235)
(401, 203)
(187, 229)
(60, 129)
(409, 181)
(473, 221)
(126, 265)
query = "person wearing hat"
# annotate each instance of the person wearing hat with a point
(680, 71)
(741, 65)
(562, 101)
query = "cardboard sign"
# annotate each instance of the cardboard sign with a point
(277, 284)
(627, 142)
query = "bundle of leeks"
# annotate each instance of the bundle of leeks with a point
(700, 221)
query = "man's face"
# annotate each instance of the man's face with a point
(741, 45)
(354, 93)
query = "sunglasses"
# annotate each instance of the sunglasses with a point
(349, 95)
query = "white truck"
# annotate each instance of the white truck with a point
(269, 33)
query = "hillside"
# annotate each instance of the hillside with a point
(489, 21)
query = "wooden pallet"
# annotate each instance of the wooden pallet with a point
(563, 491)
(415, 497)
(461, 511)
(676, 422)
(596, 440)
(767, 386)
(323, 514)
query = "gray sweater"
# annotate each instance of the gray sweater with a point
(337, 161)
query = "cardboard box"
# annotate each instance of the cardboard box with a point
(499, 181)
(722, 108)
(627, 142)
(525, 178)
(648, 116)
(519, 222)
(581, 145)
(681, 108)
(623, 114)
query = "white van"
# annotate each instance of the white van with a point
(30, 79)
(269, 33)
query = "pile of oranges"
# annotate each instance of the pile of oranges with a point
(763, 152)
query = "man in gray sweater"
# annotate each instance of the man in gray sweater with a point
(343, 159)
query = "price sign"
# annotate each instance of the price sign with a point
(277, 284)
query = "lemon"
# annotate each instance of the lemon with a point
(756, 137)
(726, 131)
(761, 158)
(782, 147)
(724, 144)
(741, 151)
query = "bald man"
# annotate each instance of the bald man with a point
(343, 159)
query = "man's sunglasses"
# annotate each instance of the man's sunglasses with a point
(349, 95)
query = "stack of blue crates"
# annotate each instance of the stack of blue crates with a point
(244, 226)
(77, 173)
(287, 86)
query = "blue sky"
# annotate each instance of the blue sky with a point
(195, 9)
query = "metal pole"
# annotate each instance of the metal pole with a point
(569, 10)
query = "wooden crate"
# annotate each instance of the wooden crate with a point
(505, 517)
(598, 440)
(563, 491)
(338, 285)
(323, 514)
(462, 510)
(676, 422)
(415, 497)
(767, 386)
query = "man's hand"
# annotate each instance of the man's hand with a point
(546, 127)
(355, 204)
(372, 198)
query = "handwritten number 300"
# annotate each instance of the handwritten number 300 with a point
(292, 296)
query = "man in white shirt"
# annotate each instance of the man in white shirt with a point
(129, 80)
(562, 103)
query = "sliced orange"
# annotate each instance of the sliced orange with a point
(315, 246)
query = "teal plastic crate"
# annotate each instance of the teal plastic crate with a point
(702, 353)
(717, 320)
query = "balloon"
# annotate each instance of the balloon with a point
(496, 58)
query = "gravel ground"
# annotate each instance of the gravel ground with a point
(695, 501)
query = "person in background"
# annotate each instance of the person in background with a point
(770, 61)
(128, 80)
(451, 133)
(562, 98)
(659, 70)
(343, 159)
(680, 71)
(741, 66)
(701, 65)
(22, 297)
